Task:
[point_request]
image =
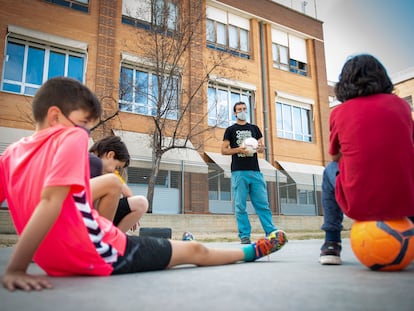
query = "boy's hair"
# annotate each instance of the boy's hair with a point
(362, 75)
(111, 143)
(238, 104)
(68, 95)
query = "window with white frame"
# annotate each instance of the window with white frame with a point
(29, 62)
(289, 52)
(150, 13)
(333, 101)
(280, 56)
(79, 5)
(221, 99)
(227, 32)
(294, 119)
(139, 92)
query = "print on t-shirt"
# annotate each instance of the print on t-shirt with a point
(241, 135)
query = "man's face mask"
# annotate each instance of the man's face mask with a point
(241, 115)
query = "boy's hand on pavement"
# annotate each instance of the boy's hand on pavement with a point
(24, 281)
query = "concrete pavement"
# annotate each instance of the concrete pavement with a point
(291, 280)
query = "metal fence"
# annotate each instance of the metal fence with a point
(289, 193)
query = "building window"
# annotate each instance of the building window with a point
(289, 53)
(306, 196)
(221, 100)
(294, 121)
(280, 56)
(333, 101)
(298, 67)
(219, 187)
(28, 65)
(165, 179)
(227, 32)
(151, 13)
(139, 93)
(291, 194)
(80, 5)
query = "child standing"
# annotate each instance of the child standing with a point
(56, 224)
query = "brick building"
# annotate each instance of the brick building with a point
(271, 57)
(404, 85)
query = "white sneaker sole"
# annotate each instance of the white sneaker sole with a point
(330, 260)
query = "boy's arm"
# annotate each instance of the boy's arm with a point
(126, 191)
(42, 219)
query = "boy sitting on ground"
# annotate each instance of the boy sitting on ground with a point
(45, 179)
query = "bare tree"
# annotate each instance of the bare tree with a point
(113, 104)
(26, 115)
(175, 93)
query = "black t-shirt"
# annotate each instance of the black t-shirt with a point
(235, 134)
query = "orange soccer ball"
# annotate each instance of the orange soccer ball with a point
(383, 245)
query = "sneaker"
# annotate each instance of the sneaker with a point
(279, 238)
(188, 236)
(245, 240)
(270, 244)
(330, 253)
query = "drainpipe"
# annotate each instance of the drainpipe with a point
(264, 90)
(182, 188)
(265, 109)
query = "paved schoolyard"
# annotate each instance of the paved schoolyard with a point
(291, 280)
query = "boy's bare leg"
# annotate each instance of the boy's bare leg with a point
(139, 206)
(192, 252)
(106, 191)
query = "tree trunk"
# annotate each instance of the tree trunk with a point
(151, 183)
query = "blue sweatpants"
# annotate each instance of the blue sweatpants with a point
(245, 183)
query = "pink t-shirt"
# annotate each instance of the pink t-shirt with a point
(80, 242)
(376, 171)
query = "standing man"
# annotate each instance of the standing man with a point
(246, 178)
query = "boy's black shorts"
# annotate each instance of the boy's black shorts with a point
(144, 253)
(122, 210)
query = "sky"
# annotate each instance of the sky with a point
(383, 28)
